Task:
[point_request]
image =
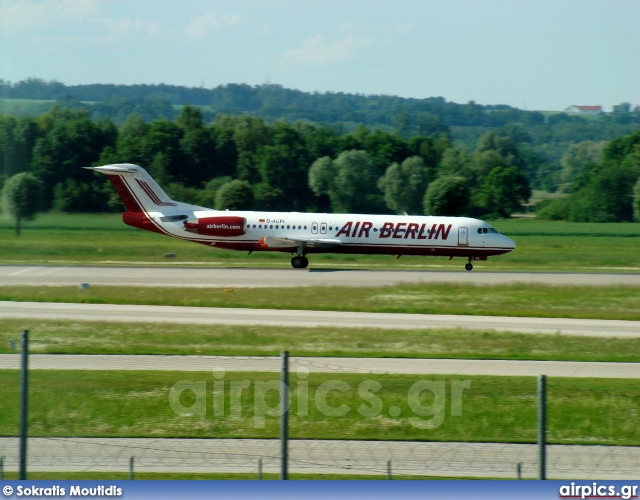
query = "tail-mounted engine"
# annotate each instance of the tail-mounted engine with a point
(217, 226)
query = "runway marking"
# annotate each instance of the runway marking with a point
(21, 271)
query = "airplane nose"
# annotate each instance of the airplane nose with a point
(510, 243)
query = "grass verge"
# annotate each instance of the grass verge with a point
(331, 406)
(104, 239)
(79, 337)
(527, 300)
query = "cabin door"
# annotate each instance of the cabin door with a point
(463, 236)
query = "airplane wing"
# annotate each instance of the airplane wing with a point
(273, 242)
(317, 242)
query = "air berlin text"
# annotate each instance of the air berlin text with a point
(401, 230)
(222, 226)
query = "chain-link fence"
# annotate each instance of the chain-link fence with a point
(450, 459)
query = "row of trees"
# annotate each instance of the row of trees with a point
(604, 183)
(244, 162)
(285, 167)
(272, 101)
(550, 134)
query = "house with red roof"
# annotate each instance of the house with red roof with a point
(583, 110)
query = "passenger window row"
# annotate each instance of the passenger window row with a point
(278, 226)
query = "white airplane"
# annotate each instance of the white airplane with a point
(148, 207)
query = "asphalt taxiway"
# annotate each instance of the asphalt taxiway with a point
(317, 364)
(288, 277)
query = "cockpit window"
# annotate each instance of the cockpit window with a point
(486, 230)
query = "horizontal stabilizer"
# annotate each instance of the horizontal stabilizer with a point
(124, 168)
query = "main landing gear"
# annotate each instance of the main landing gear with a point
(299, 262)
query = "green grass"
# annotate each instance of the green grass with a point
(535, 227)
(528, 300)
(25, 107)
(538, 196)
(493, 409)
(104, 239)
(72, 337)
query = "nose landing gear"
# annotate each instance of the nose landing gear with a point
(299, 262)
(468, 266)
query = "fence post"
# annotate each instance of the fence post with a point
(542, 426)
(259, 469)
(284, 418)
(389, 470)
(131, 468)
(24, 401)
(1, 468)
(519, 470)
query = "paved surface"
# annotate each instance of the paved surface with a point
(335, 319)
(286, 277)
(324, 457)
(459, 367)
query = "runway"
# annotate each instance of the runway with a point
(452, 459)
(316, 364)
(286, 277)
(305, 319)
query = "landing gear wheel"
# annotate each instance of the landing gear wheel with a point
(468, 266)
(299, 262)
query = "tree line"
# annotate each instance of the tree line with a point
(548, 135)
(604, 183)
(244, 162)
(272, 101)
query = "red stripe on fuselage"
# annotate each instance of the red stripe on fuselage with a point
(145, 187)
(125, 194)
(434, 251)
(153, 196)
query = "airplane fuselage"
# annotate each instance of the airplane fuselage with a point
(337, 233)
(148, 207)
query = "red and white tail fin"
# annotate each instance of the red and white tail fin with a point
(137, 189)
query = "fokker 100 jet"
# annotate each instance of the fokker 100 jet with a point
(148, 207)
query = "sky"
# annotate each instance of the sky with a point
(531, 54)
